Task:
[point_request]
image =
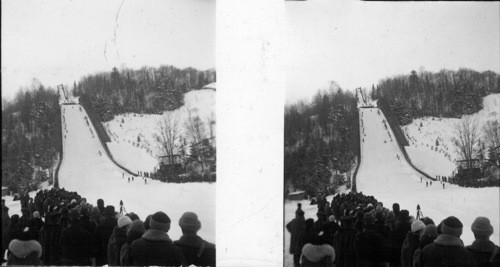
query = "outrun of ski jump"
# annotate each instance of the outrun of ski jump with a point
(385, 174)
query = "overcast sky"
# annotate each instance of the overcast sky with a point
(60, 41)
(359, 43)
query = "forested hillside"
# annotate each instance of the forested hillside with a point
(31, 137)
(147, 90)
(446, 93)
(321, 140)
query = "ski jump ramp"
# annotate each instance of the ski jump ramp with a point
(385, 174)
(87, 169)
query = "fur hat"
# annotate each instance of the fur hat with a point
(482, 227)
(417, 226)
(124, 221)
(159, 221)
(452, 226)
(189, 222)
(428, 235)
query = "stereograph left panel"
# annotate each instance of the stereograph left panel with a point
(108, 109)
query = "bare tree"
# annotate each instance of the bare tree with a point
(169, 135)
(491, 133)
(195, 131)
(466, 139)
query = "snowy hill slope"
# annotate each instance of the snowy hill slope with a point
(391, 180)
(87, 170)
(441, 161)
(136, 135)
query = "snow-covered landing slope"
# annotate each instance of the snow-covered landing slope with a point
(422, 139)
(95, 176)
(392, 180)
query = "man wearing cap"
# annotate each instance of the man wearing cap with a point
(448, 249)
(485, 252)
(411, 243)
(76, 242)
(117, 239)
(103, 233)
(155, 246)
(196, 250)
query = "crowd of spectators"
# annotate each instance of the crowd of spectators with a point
(357, 230)
(61, 228)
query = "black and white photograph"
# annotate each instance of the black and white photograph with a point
(108, 133)
(391, 134)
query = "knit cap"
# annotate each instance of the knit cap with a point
(452, 226)
(160, 221)
(189, 222)
(482, 227)
(417, 226)
(124, 221)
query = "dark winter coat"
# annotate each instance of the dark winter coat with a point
(116, 241)
(485, 252)
(101, 238)
(306, 236)
(295, 227)
(196, 251)
(76, 244)
(370, 247)
(24, 252)
(125, 250)
(447, 250)
(155, 248)
(35, 225)
(410, 244)
(396, 239)
(343, 242)
(50, 239)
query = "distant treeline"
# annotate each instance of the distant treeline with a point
(446, 93)
(147, 90)
(321, 139)
(31, 137)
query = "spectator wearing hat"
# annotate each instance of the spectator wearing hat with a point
(50, 239)
(448, 249)
(155, 246)
(485, 252)
(117, 239)
(96, 217)
(318, 252)
(196, 251)
(370, 245)
(102, 234)
(295, 227)
(135, 231)
(76, 242)
(343, 242)
(427, 237)
(411, 243)
(24, 251)
(35, 224)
